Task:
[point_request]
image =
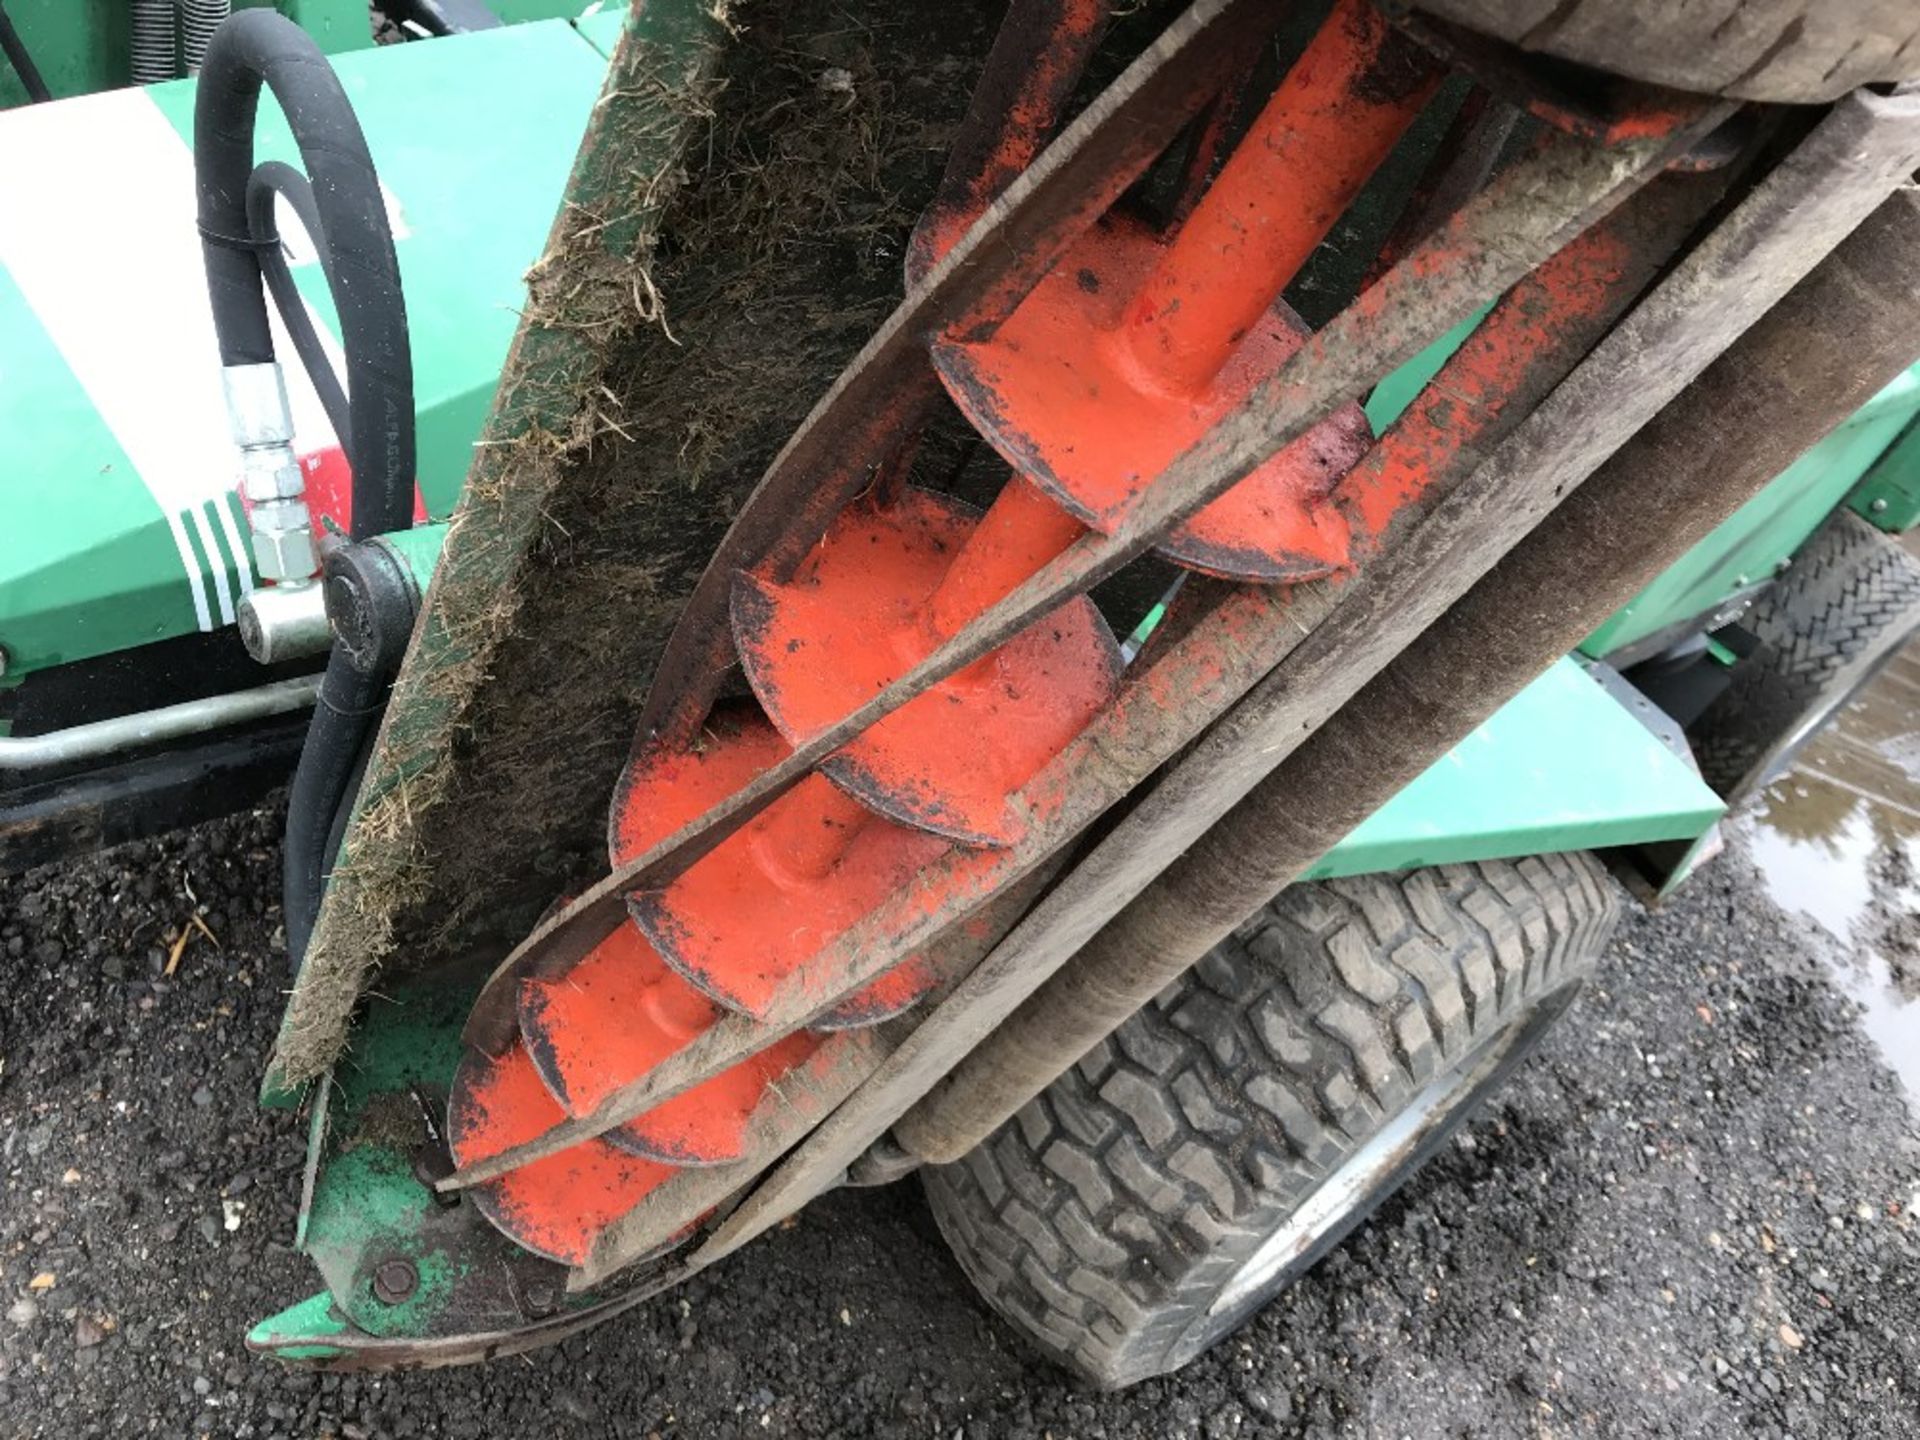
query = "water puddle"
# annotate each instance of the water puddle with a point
(1838, 840)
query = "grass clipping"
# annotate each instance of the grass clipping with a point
(732, 235)
(590, 292)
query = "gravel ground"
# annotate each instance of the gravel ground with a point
(1691, 1214)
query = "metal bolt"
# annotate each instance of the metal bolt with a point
(269, 478)
(431, 1165)
(284, 621)
(283, 554)
(540, 1298)
(395, 1281)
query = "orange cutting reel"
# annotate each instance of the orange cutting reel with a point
(1124, 355)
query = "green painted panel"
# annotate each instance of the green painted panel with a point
(79, 46)
(1561, 766)
(1889, 496)
(342, 25)
(92, 570)
(1392, 395)
(335, 25)
(300, 1332)
(1766, 530)
(419, 550)
(473, 136)
(519, 12)
(366, 1198)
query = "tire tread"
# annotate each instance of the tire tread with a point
(1850, 598)
(1093, 1219)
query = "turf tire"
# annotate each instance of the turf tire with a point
(1109, 1219)
(1848, 602)
(1797, 51)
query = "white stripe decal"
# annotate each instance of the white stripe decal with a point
(111, 267)
(242, 566)
(192, 564)
(216, 562)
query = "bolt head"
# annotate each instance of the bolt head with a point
(1879, 507)
(541, 1298)
(284, 554)
(272, 475)
(395, 1281)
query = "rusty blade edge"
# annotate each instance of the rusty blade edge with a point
(693, 1193)
(359, 1351)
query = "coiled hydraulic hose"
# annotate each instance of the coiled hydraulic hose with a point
(355, 243)
(270, 183)
(340, 203)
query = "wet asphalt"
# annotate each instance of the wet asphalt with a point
(1691, 1214)
(1837, 841)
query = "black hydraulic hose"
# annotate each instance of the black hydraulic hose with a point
(344, 713)
(22, 62)
(260, 47)
(337, 832)
(340, 204)
(270, 181)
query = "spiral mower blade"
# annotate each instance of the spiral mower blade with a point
(1127, 351)
(621, 1086)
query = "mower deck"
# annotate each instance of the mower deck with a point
(917, 719)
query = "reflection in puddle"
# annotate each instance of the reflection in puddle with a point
(1838, 839)
(1827, 873)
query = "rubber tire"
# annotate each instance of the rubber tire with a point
(1105, 1218)
(1842, 609)
(1798, 51)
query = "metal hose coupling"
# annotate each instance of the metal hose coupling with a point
(270, 476)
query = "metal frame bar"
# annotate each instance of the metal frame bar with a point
(23, 754)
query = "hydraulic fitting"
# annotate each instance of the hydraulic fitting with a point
(284, 621)
(270, 476)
